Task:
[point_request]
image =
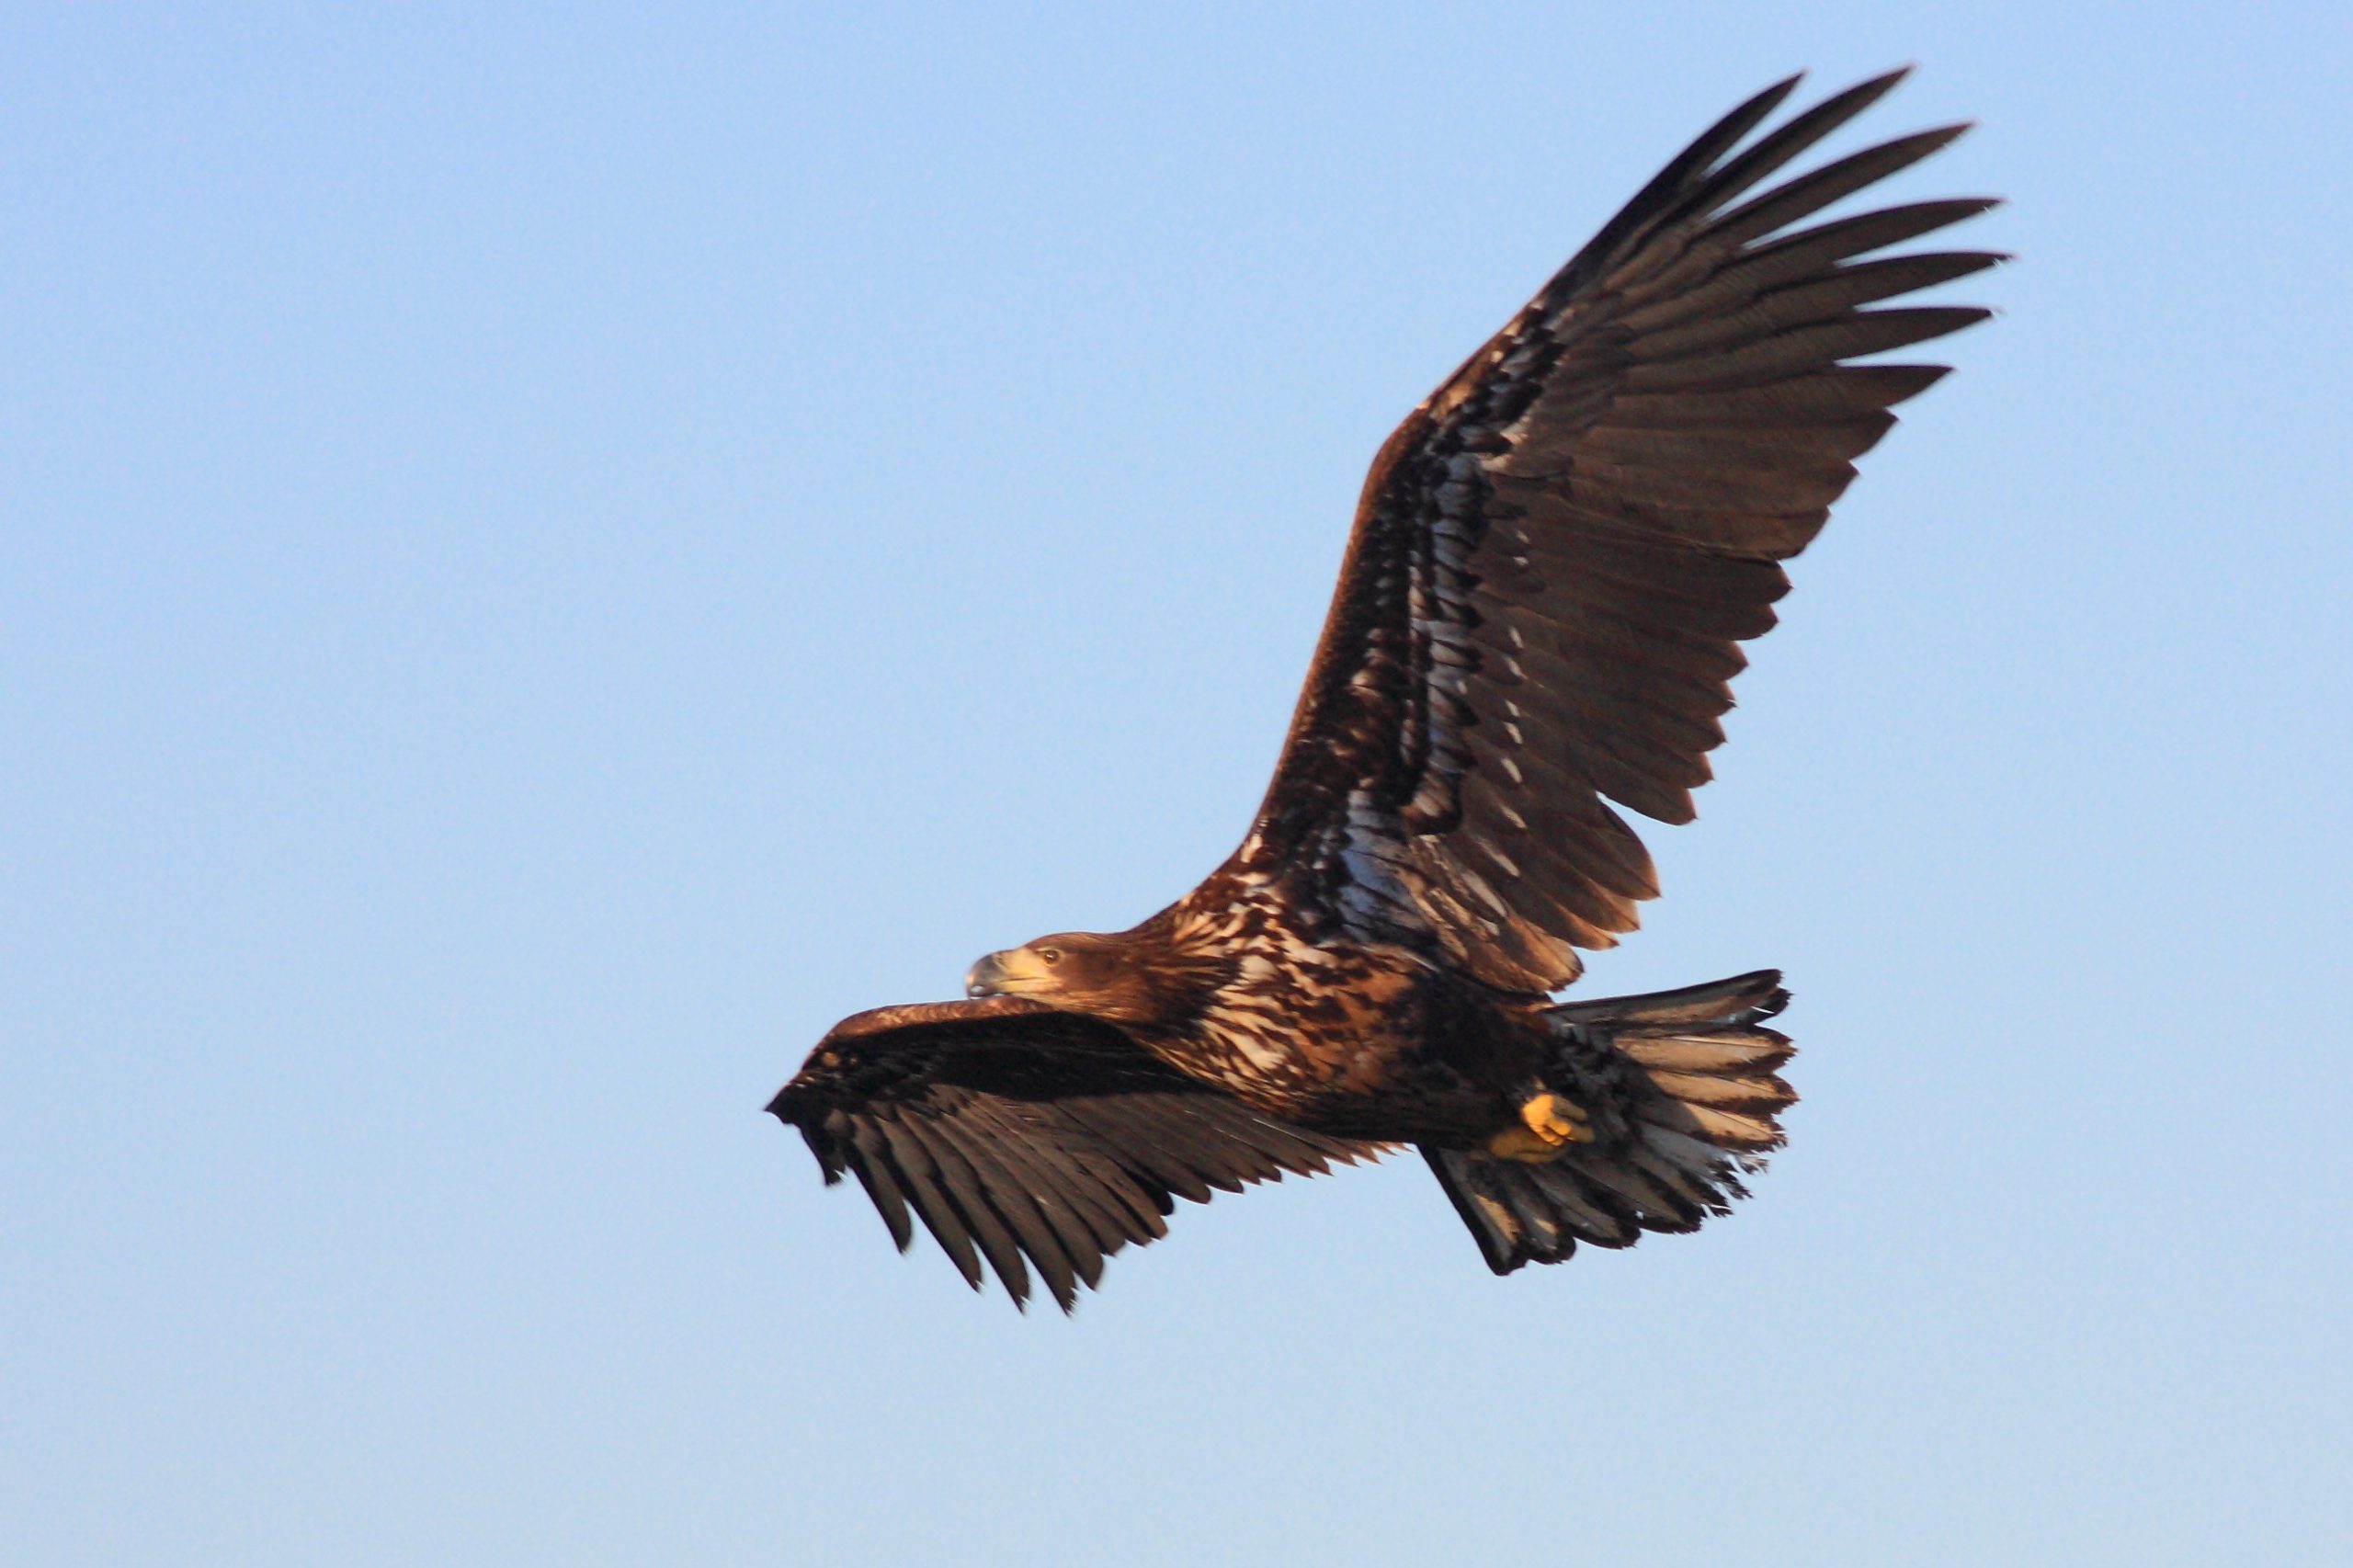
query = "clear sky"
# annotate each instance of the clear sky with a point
(547, 553)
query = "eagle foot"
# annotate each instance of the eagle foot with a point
(1548, 1124)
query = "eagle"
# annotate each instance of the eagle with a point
(1554, 561)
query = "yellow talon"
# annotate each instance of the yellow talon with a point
(1548, 1124)
(1554, 1119)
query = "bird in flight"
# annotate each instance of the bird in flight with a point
(1555, 560)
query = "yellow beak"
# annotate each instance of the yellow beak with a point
(1008, 973)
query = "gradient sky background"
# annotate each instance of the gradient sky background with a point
(552, 551)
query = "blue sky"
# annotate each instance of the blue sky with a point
(553, 551)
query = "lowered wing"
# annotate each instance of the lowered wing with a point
(1016, 1132)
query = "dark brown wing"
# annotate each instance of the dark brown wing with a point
(1558, 553)
(1014, 1130)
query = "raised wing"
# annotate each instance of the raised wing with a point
(1016, 1131)
(1558, 553)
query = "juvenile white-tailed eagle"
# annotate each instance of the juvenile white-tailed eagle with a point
(1555, 560)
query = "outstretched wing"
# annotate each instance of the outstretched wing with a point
(1558, 553)
(1014, 1130)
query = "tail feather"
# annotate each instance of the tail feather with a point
(1684, 1092)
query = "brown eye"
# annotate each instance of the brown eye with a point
(1050, 955)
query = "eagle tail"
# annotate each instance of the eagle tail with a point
(1685, 1099)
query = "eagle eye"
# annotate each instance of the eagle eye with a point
(1050, 955)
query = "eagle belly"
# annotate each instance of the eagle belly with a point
(1359, 1040)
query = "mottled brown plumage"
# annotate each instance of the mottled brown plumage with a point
(1556, 559)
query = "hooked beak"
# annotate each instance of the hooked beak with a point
(1016, 971)
(987, 977)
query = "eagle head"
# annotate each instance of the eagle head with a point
(1081, 971)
